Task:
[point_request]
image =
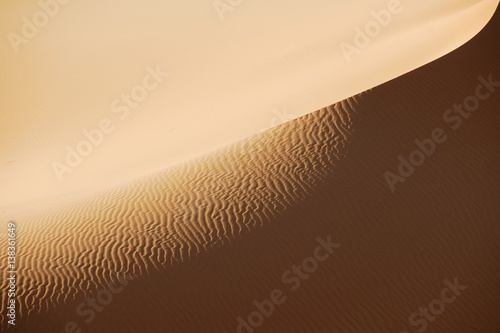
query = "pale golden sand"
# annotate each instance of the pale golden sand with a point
(224, 80)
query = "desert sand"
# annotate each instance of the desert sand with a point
(206, 238)
(214, 81)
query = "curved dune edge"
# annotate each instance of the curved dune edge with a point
(208, 238)
(229, 95)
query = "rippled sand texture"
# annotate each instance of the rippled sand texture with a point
(212, 83)
(209, 237)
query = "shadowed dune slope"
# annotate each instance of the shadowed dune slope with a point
(208, 238)
(179, 216)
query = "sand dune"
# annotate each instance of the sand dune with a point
(174, 217)
(193, 87)
(207, 238)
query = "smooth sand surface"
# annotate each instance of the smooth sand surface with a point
(208, 237)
